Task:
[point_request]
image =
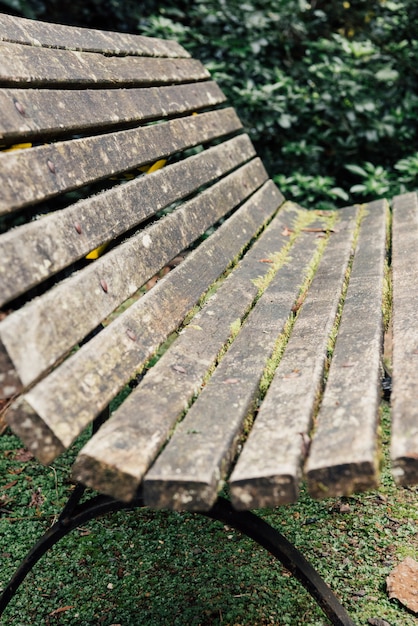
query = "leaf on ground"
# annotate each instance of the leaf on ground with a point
(60, 610)
(37, 499)
(402, 584)
(12, 484)
(23, 455)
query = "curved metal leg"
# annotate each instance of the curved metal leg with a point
(83, 513)
(265, 535)
(246, 522)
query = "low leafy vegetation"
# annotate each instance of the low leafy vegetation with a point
(147, 567)
(327, 90)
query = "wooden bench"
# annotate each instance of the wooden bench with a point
(268, 328)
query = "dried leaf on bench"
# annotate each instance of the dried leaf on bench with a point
(402, 584)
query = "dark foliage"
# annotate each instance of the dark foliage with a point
(319, 85)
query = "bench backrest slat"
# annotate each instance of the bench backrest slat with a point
(67, 235)
(20, 30)
(404, 444)
(103, 285)
(49, 170)
(22, 65)
(36, 114)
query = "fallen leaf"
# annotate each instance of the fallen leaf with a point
(23, 455)
(37, 499)
(402, 584)
(9, 484)
(265, 261)
(230, 381)
(61, 610)
(293, 374)
(180, 369)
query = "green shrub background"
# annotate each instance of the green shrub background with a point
(327, 89)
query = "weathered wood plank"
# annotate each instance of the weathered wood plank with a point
(34, 113)
(192, 467)
(54, 412)
(39, 334)
(115, 460)
(344, 454)
(37, 33)
(404, 444)
(46, 171)
(283, 423)
(41, 248)
(28, 66)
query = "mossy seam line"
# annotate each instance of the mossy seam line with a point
(334, 331)
(282, 340)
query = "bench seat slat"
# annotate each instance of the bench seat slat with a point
(49, 112)
(35, 67)
(44, 334)
(344, 454)
(117, 457)
(49, 170)
(52, 414)
(43, 247)
(285, 416)
(189, 471)
(37, 33)
(404, 445)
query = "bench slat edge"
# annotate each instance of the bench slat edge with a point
(404, 443)
(50, 170)
(48, 112)
(40, 33)
(43, 247)
(35, 67)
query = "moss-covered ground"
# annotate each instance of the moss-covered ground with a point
(143, 567)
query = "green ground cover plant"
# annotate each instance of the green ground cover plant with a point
(146, 567)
